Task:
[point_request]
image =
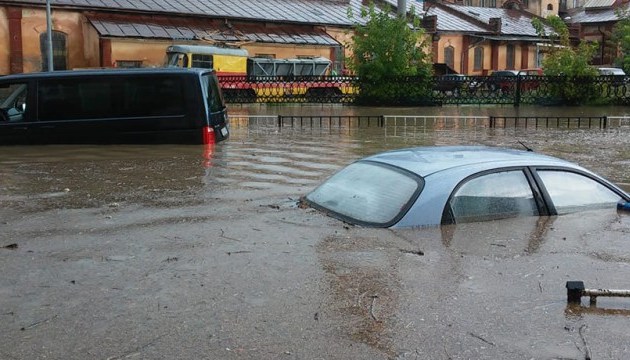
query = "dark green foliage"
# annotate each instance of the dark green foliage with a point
(570, 65)
(621, 39)
(385, 48)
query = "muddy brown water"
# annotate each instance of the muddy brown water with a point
(186, 252)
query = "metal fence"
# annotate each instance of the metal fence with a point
(401, 122)
(439, 90)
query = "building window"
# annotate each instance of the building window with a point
(509, 57)
(59, 50)
(478, 58)
(489, 3)
(550, 7)
(128, 63)
(449, 56)
(525, 4)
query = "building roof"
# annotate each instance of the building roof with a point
(449, 21)
(314, 12)
(181, 28)
(513, 21)
(598, 4)
(592, 15)
(472, 19)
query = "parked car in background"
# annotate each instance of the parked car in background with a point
(449, 82)
(455, 83)
(112, 106)
(611, 71)
(506, 80)
(528, 78)
(502, 80)
(616, 76)
(444, 185)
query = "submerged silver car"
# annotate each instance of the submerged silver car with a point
(445, 185)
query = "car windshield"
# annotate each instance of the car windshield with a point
(367, 193)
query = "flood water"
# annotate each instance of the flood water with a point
(189, 252)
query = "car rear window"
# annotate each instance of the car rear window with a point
(571, 192)
(367, 193)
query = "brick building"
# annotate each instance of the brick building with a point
(98, 33)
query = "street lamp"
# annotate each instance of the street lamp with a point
(49, 37)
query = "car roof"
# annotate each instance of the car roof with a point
(104, 71)
(504, 72)
(424, 161)
(614, 71)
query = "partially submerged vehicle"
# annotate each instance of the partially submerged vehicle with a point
(428, 186)
(112, 106)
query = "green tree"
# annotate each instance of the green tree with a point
(386, 52)
(563, 58)
(621, 39)
(568, 65)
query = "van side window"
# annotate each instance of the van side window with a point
(155, 96)
(13, 102)
(108, 97)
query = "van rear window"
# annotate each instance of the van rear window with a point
(212, 93)
(110, 97)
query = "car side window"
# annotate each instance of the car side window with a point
(493, 196)
(571, 192)
(13, 102)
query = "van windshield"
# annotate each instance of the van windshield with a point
(212, 93)
(12, 101)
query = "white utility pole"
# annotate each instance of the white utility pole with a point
(402, 8)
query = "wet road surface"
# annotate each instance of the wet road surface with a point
(164, 252)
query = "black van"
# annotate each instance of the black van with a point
(159, 105)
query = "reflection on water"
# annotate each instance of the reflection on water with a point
(501, 238)
(577, 311)
(433, 289)
(288, 160)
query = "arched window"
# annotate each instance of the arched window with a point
(60, 52)
(449, 56)
(509, 56)
(478, 58)
(550, 7)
